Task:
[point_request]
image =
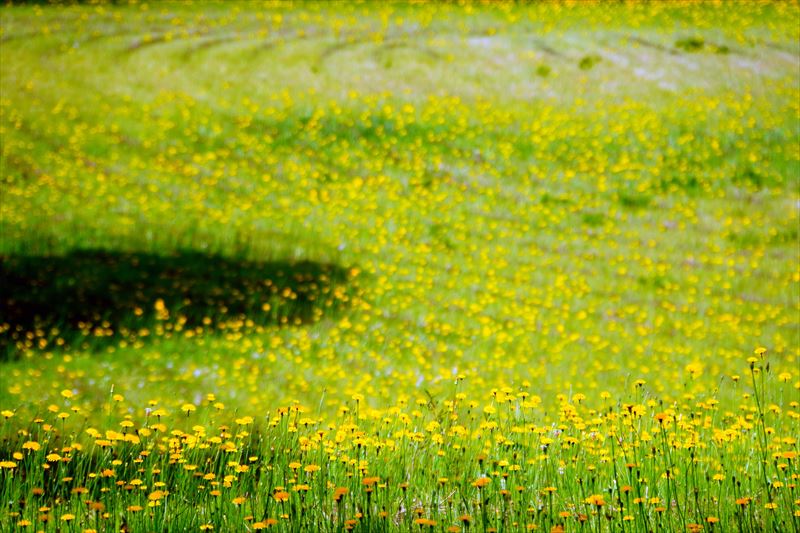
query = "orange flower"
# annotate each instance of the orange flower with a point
(481, 482)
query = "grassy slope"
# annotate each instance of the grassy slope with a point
(588, 213)
(574, 231)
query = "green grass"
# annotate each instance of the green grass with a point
(528, 243)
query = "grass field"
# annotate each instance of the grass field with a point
(327, 267)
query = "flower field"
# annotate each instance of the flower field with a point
(400, 267)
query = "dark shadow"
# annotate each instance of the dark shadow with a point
(96, 297)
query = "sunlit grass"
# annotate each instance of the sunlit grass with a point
(331, 266)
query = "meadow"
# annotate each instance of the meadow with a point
(400, 267)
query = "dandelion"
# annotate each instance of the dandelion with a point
(481, 482)
(595, 499)
(32, 446)
(694, 369)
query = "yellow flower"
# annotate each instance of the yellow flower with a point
(481, 482)
(595, 499)
(694, 369)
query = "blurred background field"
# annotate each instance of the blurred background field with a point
(349, 205)
(569, 195)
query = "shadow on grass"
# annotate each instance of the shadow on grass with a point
(96, 297)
